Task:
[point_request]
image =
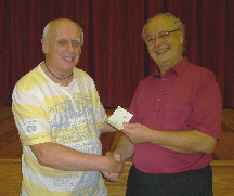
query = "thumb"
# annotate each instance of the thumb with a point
(117, 157)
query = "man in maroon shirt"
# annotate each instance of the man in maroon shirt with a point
(176, 119)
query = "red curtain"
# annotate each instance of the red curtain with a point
(113, 53)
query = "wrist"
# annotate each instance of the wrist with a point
(150, 136)
(104, 164)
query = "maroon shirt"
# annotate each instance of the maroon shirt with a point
(187, 97)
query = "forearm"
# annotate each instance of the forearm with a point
(124, 148)
(108, 128)
(64, 158)
(188, 142)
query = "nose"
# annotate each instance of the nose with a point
(70, 47)
(158, 41)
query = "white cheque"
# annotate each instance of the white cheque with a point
(120, 115)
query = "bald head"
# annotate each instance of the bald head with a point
(49, 29)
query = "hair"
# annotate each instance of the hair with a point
(176, 22)
(47, 30)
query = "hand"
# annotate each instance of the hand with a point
(115, 176)
(137, 133)
(112, 165)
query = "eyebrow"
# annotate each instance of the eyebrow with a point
(59, 39)
(76, 40)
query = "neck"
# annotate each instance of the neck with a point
(164, 67)
(63, 81)
(59, 78)
(162, 72)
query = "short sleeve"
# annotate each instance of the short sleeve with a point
(30, 118)
(207, 106)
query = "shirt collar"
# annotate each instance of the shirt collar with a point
(177, 69)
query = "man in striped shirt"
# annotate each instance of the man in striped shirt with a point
(59, 117)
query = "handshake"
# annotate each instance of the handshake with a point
(114, 168)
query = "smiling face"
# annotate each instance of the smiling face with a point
(62, 46)
(167, 53)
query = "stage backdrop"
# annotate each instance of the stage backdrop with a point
(113, 53)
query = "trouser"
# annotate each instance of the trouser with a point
(187, 183)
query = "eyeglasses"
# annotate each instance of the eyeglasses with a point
(162, 36)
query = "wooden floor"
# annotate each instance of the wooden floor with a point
(11, 151)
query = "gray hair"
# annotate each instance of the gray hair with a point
(176, 22)
(47, 29)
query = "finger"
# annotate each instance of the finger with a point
(131, 125)
(117, 157)
(112, 176)
(109, 154)
(128, 125)
(114, 179)
(125, 123)
(107, 175)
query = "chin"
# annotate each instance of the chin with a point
(162, 61)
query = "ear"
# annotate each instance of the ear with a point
(44, 44)
(182, 36)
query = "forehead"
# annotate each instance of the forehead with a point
(158, 23)
(65, 30)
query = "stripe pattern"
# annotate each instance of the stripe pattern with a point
(72, 116)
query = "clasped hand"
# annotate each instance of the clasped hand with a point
(136, 133)
(113, 176)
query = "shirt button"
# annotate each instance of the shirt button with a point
(158, 99)
(160, 89)
(164, 79)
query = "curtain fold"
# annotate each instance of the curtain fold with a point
(113, 53)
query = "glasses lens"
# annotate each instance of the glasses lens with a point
(150, 40)
(163, 35)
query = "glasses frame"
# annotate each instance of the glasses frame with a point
(160, 39)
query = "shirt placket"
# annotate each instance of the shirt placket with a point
(159, 96)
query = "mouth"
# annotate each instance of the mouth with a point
(69, 59)
(162, 51)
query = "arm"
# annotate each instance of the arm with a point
(188, 142)
(61, 157)
(108, 128)
(205, 121)
(124, 148)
